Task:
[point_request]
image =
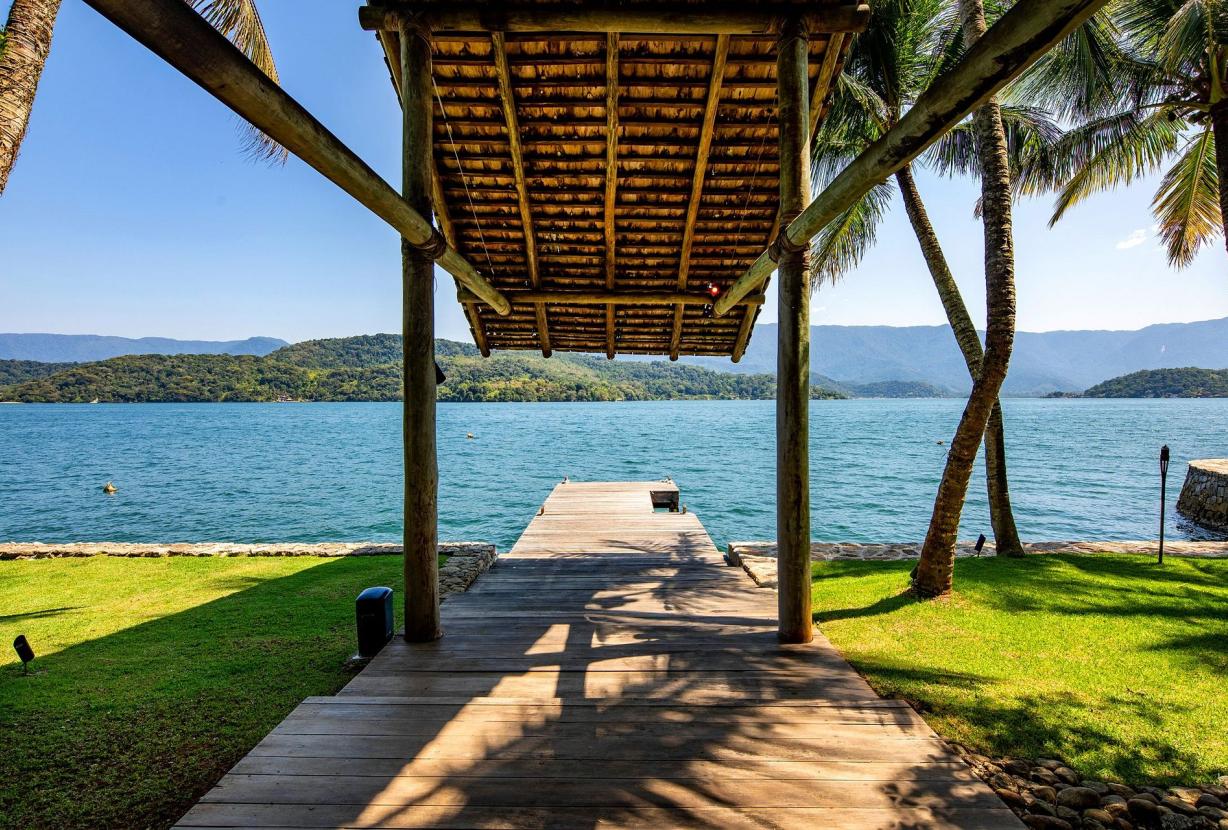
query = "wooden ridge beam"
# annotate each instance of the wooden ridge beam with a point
(173, 31)
(719, 57)
(611, 179)
(1012, 44)
(608, 298)
(731, 18)
(507, 100)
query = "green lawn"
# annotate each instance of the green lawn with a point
(1112, 663)
(155, 675)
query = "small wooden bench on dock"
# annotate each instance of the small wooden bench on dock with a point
(610, 671)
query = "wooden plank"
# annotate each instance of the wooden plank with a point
(716, 78)
(569, 818)
(602, 769)
(536, 791)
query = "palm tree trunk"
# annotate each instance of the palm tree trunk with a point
(1001, 516)
(935, 570)
(1219, 129)
(26, 44)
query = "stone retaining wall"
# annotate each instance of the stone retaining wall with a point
(1204, 496)
(43, 550)
(758, 559)
(466, 560)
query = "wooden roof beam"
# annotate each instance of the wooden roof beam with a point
(174, 31)
(611, 178)
(508, 101)
(608, 298)
(1012, 44)
(728, 18)
(719, 57)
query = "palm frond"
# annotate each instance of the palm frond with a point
(1102, 154)
(239, 20)
(841, 245)
(1187, 203)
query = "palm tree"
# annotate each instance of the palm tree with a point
(1146, 84)
(935, 570)
(906, 45)
(26, 41)
(23, 51)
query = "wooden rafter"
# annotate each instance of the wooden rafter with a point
(508, 101)
(439, 202)
(720, 56)
(608, 298)
(611, 178)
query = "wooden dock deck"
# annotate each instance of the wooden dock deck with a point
(640, 687)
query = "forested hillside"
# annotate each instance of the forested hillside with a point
(368, 368)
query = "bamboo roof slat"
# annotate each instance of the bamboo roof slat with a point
(612, 179)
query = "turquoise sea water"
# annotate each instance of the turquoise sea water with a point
(312, 472)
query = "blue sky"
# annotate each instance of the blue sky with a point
(132, 211)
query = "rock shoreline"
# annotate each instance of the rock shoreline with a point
(1048, 795)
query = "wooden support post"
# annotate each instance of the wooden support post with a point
(418, 293)
(793, 348)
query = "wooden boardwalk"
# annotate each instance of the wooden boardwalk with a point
(640, 687)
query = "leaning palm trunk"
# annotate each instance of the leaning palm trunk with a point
(1006, 536)
(27, 40)
(935, 570)
(1219, 129)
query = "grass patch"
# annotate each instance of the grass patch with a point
(1112, 663)
(154, 676)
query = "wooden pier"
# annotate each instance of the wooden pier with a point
(610, 671)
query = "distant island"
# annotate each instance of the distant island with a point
(1188, 382)
(368, 368)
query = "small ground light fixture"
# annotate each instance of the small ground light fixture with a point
(22, 646)
(980, 543)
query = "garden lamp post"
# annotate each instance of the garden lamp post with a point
(1163, 482)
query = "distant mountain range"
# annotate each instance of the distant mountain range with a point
(1043, 362)
(83, 348)
(863, 361)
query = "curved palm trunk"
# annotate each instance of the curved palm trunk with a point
(27, 42)
(1006, 536)
(935, 570)
(1219, 129)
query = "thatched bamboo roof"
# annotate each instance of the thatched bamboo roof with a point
(609, 183)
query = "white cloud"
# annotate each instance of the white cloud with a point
(1135, 238)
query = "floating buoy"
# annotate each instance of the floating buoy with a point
(109, 488)
(469, 435)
